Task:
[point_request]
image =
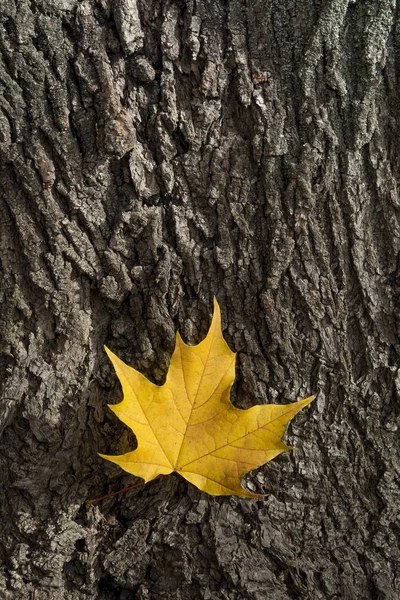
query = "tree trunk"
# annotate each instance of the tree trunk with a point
(154, 155)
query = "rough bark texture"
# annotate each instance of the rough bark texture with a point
(155, 154)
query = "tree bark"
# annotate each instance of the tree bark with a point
(154, 155)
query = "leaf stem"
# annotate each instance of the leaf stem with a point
(131, 487)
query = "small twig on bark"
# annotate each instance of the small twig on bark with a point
(131, 487)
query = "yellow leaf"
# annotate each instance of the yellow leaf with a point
(189, 426)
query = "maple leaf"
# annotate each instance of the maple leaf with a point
(189, 426)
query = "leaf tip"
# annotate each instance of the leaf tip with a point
(108, 352)
(216, 309)
(308, 400)
(215, 303)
